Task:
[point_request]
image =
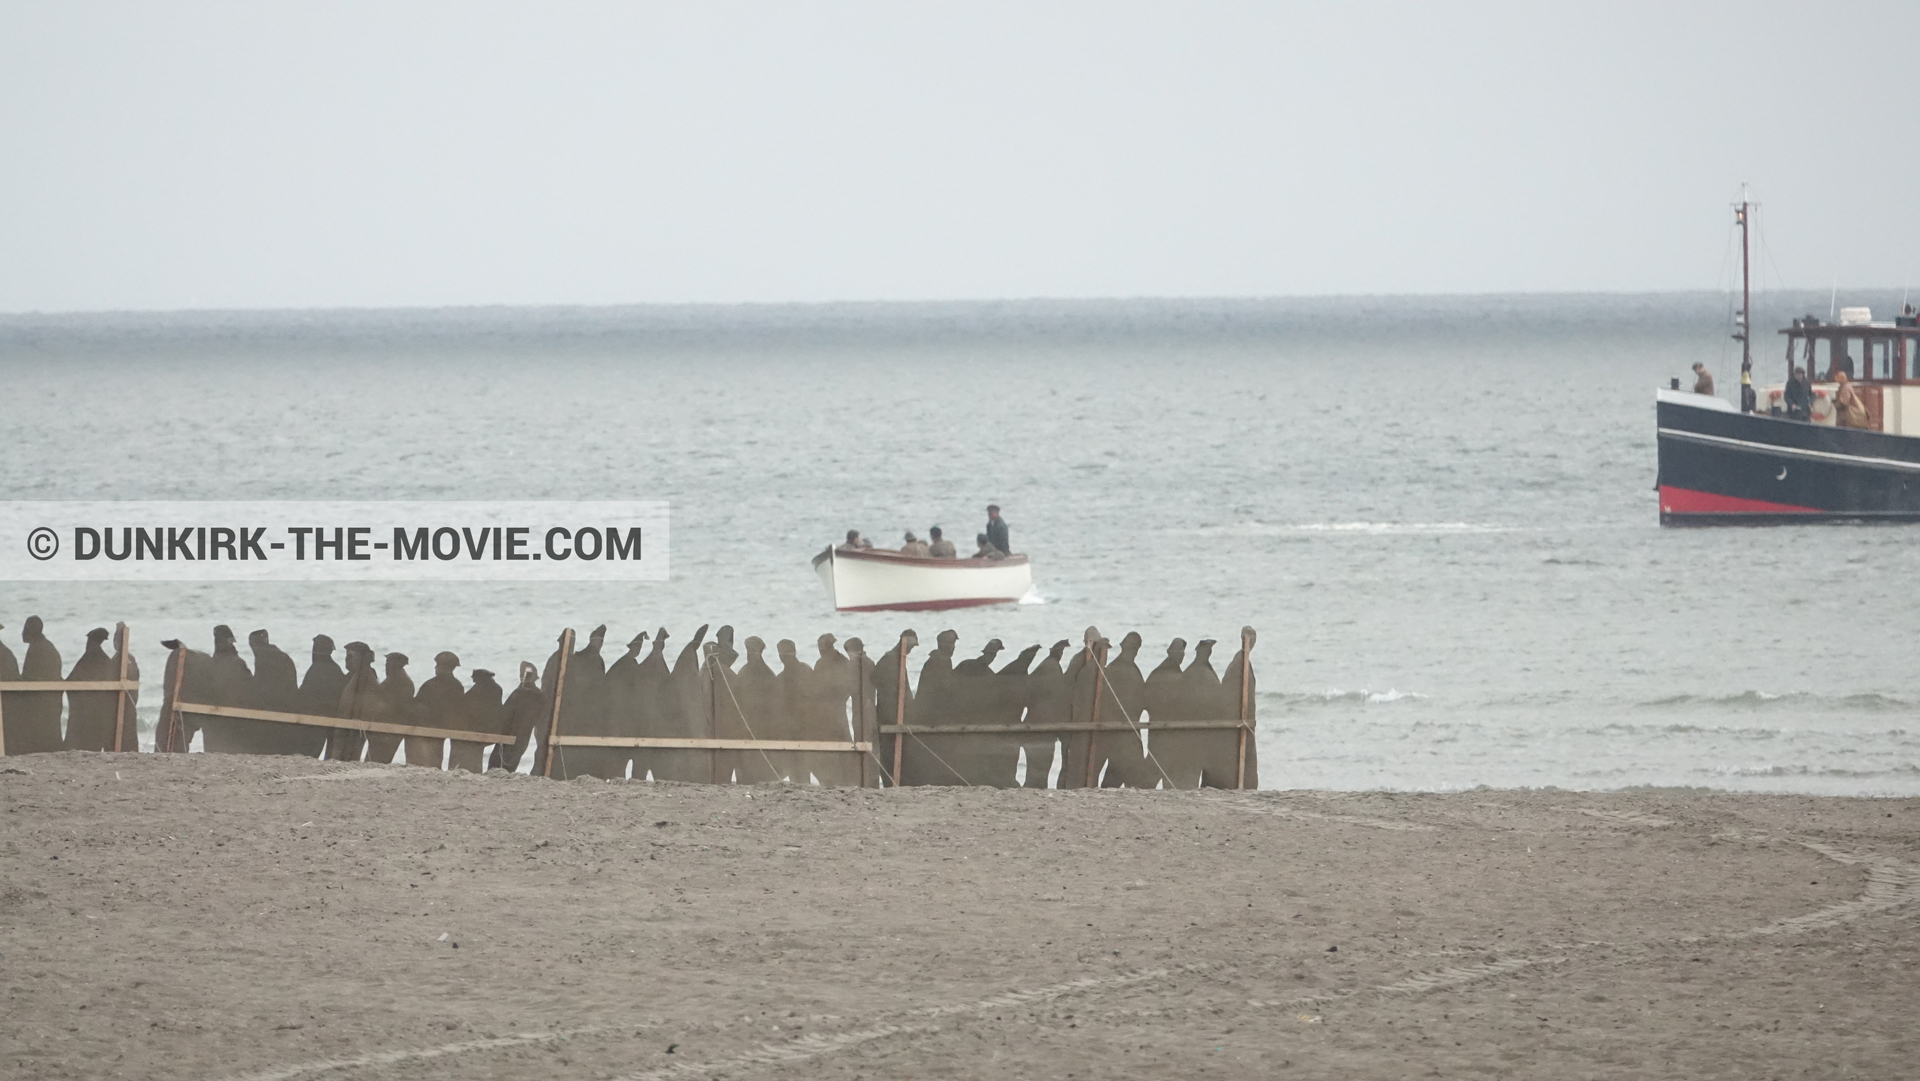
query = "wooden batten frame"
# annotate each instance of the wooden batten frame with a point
(864, 722)
(1096, 650)
(1063, 726)
(120, 643)
(172, 720)
(1246, 683)
(900, 711)
(559, 687)
(315, 721)
(59, 686)
(690, 743)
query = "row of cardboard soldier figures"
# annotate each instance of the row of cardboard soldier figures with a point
(1039, 691)
(356, 691)
(705, 692)
(94, 718)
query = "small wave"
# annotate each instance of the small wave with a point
(1906, 770)
(1034, 596)
(1266, 529)
(1334, 695)
(1761, 699)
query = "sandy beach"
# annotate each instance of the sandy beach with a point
(220, 917)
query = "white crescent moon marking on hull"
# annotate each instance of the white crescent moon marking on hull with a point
(1783, 473)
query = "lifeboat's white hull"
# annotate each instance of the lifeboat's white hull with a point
(866, 580)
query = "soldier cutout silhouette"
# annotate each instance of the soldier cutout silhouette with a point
(481, 711)
(360, 700)
(230, 683)
(441, 702)
(276, 687)
(320, 694)
(1049, 702)
(525, 709)
(90, 714)
(393, 704)
(175, 731)
(33, 717)
(1120, 703)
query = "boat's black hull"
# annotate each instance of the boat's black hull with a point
(1722, 468)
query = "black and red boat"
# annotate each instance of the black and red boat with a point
(1763, 464)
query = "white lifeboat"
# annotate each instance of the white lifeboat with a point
(875, 580)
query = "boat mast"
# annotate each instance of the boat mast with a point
(1741, 214)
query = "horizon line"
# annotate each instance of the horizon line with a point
(496, 306)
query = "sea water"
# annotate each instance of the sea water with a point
(1437, 512)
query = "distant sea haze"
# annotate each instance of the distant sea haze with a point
(1438, 512)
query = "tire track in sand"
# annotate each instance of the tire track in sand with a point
(1891, 884)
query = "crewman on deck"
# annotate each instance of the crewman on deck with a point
(1799, 396)
(855, 540)
(1702, 379)
(997, 530)
(986, 550)
(914, 546)
(1848, 410)
(941, 548)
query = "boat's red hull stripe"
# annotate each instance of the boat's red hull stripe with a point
(1688, 501)
(931, 606)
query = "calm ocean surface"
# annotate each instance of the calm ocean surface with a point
(1438, 512)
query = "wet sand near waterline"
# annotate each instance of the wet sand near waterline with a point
(235, 917)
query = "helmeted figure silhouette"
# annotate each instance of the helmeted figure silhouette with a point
(90, 714)
(481, 711)
(747, 700)
(1121, 701)
(1076, 747)
(441, 702)
(276, 687)
(320, 693)
(395, 702)
(360, 700)
(230, 683)
(1168, 698)
(785, 710)
(1230, 692)
(1049, 702)
(525, 709)
(175, 731)
(651, 686)
(623, 694)
(1215, 751)
(891, 687)
(32, 718)
(583, 712)
(822, 709)
(684, 712)
(1006, 703)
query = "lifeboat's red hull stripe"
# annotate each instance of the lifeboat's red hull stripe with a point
(930, 606)
(1688, 501)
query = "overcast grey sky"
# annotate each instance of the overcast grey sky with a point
(193, 155)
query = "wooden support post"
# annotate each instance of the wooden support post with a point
(860, 723)
(710, 669)
(559, 687)
(1096, 650)
(1246, 683)
(120, 707)
(175, 729)
(900, 709)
